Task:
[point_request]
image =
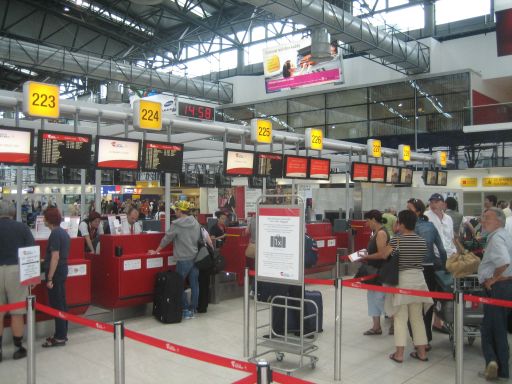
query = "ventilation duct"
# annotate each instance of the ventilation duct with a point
(39, 57)
(383, 45)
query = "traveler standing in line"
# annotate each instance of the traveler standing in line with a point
(376, 255)
(91, 229)
(132, 226)
(495, 274)
(56, 272)
(390, 216)
(452, 210)
(490, 201)
(429, 233)
(404, 308)
(506, 209)
(184, 234)
(13, 235)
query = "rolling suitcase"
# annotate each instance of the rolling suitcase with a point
(309, 308)
(167, 305)
(293, 315)
(266, 291)
(278, 317)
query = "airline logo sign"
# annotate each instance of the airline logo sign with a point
(374, 148)
(404, 152)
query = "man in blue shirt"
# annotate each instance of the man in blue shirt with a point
(13, 235)
(495, 274)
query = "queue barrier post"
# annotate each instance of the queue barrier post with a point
(264, 372)
(337, 328)
(459, 337)
(31, 339)
(119, 352)
(246, 312)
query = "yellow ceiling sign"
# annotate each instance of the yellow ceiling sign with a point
(374, 148)
(468, 181)
(497, 181)
(314, 139)
(41, 100)
(404, 152)
(261, 131)
(147, 115)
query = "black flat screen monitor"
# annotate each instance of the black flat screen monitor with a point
(319, 169)
(238, 162)
(116, 153)
(62, 149)
(406, 176)
(296, 167)
(162, 157)
(16, 146)
(377, 173)
(442, 178)
(268, 164)
(360, 171)
(392, 174)
(430, 177)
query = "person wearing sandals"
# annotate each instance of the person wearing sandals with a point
(428, 231)
(404, 308)
(374, 258)
(56, 272)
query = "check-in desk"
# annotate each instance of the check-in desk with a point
(325, 241)
(233, 251)
(361, 234)
(129, 279)
(78, 283)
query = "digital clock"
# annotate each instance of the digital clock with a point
(196, 111)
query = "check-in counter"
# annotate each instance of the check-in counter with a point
(78, 283)
(128, 279)
(325, 241)
(233, 251)
(362, 234)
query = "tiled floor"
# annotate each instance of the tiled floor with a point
(88, 357)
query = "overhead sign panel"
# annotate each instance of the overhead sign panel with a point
(314, 139)
(374, 148)
(41, 100)
(147, 115)
(261, 131)
(441, 158)
(404, 152)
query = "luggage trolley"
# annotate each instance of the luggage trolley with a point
(281, 313)
(473, 312)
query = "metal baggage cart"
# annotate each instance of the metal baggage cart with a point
(473, 312)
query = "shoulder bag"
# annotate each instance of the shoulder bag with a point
(388, 273)
(204, 258)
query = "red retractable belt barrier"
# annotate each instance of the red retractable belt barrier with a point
(285, 379)
(13, 306)
(488, 300)
(247, 380)
(75, 319)
(401, 291)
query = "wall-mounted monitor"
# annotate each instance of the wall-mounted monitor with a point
(430, 177)
(62, 149)
(377, 173)
(162, 157)
(238, 162)
(16, 146)
(319, 168)
(406, 176)
(360, 171)
(296, 167)
(116, 153)
(392, 174)
(442, 178)
(268, 164)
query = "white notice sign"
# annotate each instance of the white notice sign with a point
(30, 265)
(42, 231)
(331, 242)
(155, 262)
(279, 243)
(320, 243)
(130, 265)
(77, 270)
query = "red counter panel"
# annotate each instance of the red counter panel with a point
(319, 229)
(233, 251)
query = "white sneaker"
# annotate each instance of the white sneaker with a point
(491, 371)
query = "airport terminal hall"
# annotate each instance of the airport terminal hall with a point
(255, 191)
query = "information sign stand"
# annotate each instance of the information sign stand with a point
(280, 271)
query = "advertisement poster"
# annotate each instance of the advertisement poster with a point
(30, 265)
(114, 153)
(15, 146)
(290, 66)
(213, 200)
(279, 242)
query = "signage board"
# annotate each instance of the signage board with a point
(314, 139)
(497, 182)
(374, 148)
(147, 115)
(41, 100)
(261, 131)
(441, 158)
(404, 152)
(468, 181)
(29, 260)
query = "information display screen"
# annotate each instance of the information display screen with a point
(392, 175)
(115, 153)
(442, 178)
(196, 111)
(268, 164)
(360, 172)
(406, 176)
(296, 167)
(377, 173)
(162, 157)
(238, 162)
(430, 177)
(319, 168)
(16, 146)
(62, 149)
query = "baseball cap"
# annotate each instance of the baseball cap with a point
(436, 196)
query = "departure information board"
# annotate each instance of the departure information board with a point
(162, 157)
(61, 149)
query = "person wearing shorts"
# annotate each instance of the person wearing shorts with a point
(13, 235)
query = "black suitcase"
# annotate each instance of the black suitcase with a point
(294, 315)
(167, 305)
(309, 308)
(278, 317)
(266, 291)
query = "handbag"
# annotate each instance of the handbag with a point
(388, 273)
(204, 258)
(367, 270)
